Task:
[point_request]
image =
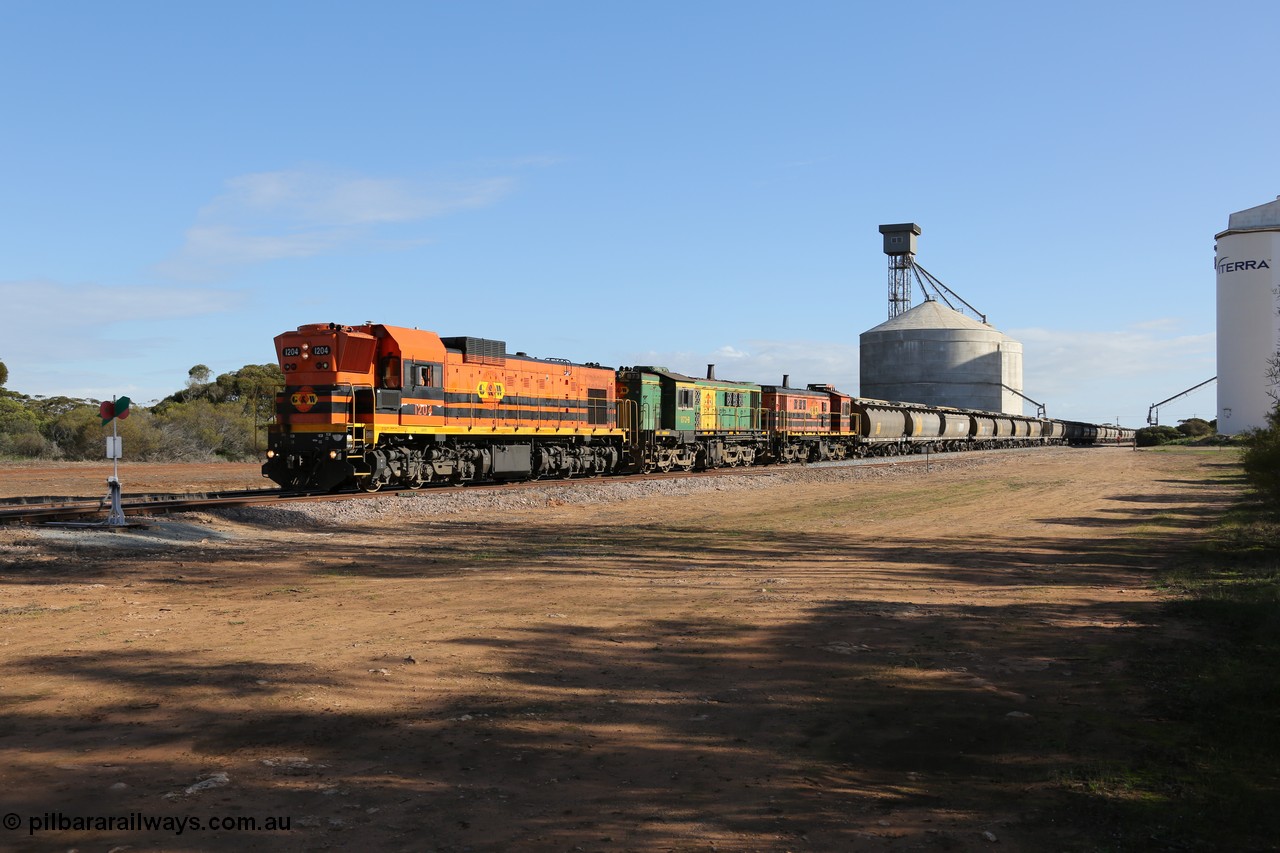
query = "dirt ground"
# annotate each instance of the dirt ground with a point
(89, 479)
(862, 660)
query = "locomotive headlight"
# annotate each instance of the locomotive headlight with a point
(271, 454)
(333, 454)
(306, 355)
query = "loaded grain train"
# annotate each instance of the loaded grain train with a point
(372, 406)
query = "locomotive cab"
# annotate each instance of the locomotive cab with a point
(328, 370)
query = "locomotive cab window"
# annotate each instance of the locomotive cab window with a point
(420, 375)
(687, 398)
(391, 372)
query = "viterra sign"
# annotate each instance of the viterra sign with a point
(1227, 265)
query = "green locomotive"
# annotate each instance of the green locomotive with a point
(681, 422)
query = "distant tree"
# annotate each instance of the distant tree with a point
(4, 374)
(1273, 378)
(250, 380)
(76, 432)
(19, 427)
(1154, 436)
(210, 429)
(254, 387)
(54, 407)
(1272, 372)
(1195, 427)
(198, 375)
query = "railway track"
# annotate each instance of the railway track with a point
(43, 510)
(31, 510)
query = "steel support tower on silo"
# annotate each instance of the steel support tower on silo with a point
(900, 246)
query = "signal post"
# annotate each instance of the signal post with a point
(113, 412)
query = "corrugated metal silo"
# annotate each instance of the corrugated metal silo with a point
(932, 354)
(1248, 317)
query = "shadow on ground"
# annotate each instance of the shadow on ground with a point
(852, 720)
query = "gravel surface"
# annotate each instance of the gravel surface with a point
(530, 496)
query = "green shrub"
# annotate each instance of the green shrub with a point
(1196, 427)
(1262, 459)
(1153, 436)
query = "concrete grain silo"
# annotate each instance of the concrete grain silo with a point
(1248, 317)
(932, 354)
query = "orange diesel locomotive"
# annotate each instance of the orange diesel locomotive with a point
(371, 405)
(809, 424)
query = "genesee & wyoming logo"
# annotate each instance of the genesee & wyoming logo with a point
(1227, 265)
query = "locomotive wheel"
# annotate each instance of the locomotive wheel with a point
(370, 485)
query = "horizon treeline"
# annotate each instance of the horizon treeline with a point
(218, 418)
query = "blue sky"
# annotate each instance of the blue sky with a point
(658, 182)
